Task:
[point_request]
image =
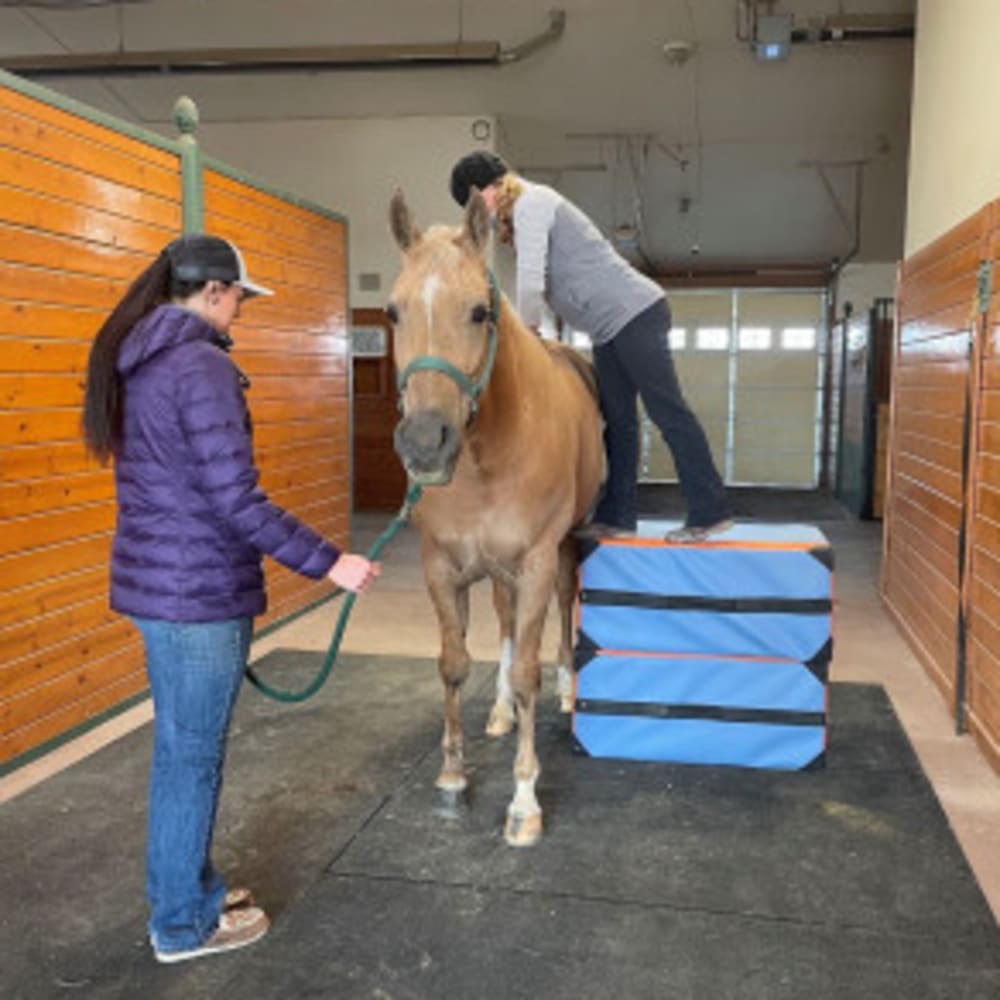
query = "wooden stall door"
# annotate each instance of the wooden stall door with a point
(923, 551)
(379, 479)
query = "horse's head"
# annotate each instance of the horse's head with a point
(444, 308)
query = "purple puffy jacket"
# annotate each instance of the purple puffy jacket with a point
(192, 520)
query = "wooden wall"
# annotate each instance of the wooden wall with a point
(941, 568)
(983, 653)
(294, 349)
(84, 208)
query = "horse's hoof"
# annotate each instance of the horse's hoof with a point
(500, 722)
(452, 803)
(449, 781)
(566, 703)
(523, 831)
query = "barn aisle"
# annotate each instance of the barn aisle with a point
(652, 880)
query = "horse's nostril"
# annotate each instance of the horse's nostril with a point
(426, 439)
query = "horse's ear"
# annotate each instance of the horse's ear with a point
(477, 221)
(401, 222)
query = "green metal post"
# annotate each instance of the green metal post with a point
(192, 199)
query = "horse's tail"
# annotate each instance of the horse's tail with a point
(575, 360)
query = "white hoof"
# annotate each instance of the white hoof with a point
(523, 831)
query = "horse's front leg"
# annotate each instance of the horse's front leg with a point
(534, 590)
(450, 601)
(501, 720)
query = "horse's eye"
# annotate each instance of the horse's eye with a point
(479, 313)
(392, 314)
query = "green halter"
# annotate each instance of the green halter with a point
(432, 363)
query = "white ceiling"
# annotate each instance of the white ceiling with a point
(718, 153)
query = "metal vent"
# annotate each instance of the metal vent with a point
(369, 281)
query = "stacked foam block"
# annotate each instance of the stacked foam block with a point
(715, 652)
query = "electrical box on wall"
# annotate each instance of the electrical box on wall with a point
(773, 37)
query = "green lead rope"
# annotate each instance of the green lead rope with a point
(412, 496)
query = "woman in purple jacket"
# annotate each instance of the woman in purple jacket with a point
(166, 402)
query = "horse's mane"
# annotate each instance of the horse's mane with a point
(561, 353)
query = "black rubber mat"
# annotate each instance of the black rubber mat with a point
(652, 880)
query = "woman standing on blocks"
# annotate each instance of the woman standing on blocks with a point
(563, 259)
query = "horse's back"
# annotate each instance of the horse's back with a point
(576, 362)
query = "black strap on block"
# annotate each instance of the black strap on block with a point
(715, 713)
(736, 605)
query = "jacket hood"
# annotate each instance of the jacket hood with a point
(165, 327)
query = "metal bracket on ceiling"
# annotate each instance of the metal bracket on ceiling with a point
(852, 225)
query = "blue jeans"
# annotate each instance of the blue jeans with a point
(194, 672)
(637, 362)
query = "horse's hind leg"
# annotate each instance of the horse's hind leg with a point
(451, 604)
(534, 591)
(565, 593)
(501, 720)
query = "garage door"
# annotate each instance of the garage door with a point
(751, 367)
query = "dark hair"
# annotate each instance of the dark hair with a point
(102, 400)
(475, 170)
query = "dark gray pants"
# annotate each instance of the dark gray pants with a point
(637, 362)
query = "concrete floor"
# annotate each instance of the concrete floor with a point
(396, 618)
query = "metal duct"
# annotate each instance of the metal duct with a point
(283, 60)
(66, 4)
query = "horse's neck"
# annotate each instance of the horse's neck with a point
(519, 363)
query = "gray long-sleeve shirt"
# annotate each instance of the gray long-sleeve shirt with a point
(563, 259)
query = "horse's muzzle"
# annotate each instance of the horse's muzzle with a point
(427, 444)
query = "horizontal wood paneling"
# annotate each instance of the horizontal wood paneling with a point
(983, 667)
(294, 348)
(83, 209)
(942, 533)
(926, 487)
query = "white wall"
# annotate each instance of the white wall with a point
(352, 166)
(862, 284)
(955, 132)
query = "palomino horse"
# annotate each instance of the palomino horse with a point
(505, 429)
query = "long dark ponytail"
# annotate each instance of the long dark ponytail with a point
(102, 402)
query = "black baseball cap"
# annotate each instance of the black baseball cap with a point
(198, 257)
(476, 170)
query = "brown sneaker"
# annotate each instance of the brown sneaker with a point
(235, 898)
(597, 529)
(697, 533)
(237, 928)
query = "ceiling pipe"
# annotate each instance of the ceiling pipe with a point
(283, 60)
